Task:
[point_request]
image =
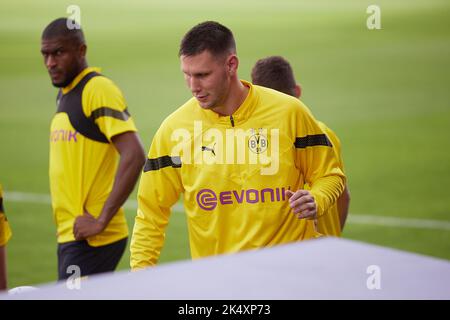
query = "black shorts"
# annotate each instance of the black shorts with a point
(89, 260)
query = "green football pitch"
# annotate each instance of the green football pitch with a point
(384, 92)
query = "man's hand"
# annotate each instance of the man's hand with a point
(303, 204)
(86, 226)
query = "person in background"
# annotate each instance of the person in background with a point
(95, 155)
(276, 73)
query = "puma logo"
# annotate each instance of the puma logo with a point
(209, 149)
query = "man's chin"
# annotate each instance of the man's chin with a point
(60, 84)
(61, 81)
(206, 105)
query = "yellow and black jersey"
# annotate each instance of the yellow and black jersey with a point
(233, 172)
(83, 161)
(5, 230)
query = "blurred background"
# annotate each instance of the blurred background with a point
(384, 92)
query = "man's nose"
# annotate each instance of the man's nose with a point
(50, 62)
(194, 84)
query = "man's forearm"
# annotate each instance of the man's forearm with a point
(132, 159)
(126, 177)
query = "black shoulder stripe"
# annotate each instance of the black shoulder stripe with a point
(162, 162)
(312, 140)
(108, 112)
(71, 104)
(2, 210)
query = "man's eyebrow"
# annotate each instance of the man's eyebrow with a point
(51, 50)
(201, 73)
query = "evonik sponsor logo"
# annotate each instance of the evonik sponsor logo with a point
(63, 135)
(208, 199)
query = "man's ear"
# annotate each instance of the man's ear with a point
(298, 91)
(232, 64)
(83, 50)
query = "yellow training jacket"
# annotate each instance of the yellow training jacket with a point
(83, 160)
(233, 172)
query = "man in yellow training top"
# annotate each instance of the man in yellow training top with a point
(89, 131)
(275, 72)
(239, 153)
(5, 235)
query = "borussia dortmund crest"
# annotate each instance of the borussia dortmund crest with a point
(258, 142)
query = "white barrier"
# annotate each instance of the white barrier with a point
(327, 268)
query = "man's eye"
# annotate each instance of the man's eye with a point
(58, 52)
